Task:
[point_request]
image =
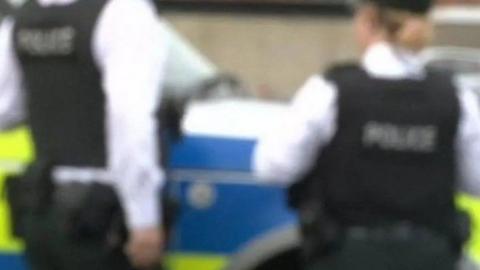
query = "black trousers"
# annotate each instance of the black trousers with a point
(427, 253)
(53, 241)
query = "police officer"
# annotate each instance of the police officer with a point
(377, 150)
(86, 76)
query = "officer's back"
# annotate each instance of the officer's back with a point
(374, 149)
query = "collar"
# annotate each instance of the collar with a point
(383, 60)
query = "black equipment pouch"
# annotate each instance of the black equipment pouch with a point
(321, 234)
(92, 212)
(29, 193)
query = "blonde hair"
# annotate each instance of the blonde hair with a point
(408, 30)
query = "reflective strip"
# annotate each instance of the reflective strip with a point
(189, 261)
(8, 243)
(472, 205)
(16, 145)
(16, 150)
(66, 174)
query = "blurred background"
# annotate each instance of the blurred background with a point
(295, 40)
(269, 47)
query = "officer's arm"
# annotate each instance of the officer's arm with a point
(12, 111)
(468, 143)
(291, 148)
(131, 53)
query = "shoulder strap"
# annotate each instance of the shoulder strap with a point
(344, 71)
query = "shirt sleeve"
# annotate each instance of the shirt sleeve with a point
(287, 152)
(468, 143)
(131, 52)
(12, 111)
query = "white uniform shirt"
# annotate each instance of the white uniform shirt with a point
(130, 52)
(290, 149)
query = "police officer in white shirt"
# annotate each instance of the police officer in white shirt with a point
(86, 75)
(376, 151)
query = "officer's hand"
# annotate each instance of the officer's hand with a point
(145, 247)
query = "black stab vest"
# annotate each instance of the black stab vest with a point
(392, 158)
(65, 99)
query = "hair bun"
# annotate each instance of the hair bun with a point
(414, 34)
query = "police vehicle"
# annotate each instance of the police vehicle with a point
(223, 210)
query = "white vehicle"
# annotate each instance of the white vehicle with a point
(464, 62)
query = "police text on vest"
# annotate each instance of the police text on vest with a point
(404, 138)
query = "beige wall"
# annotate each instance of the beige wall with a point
(459, 35)
(275, 54)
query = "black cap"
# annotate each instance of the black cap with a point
(415, 6)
